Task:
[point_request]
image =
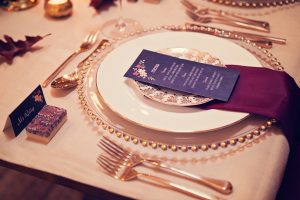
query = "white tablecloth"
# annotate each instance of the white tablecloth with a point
(255, 170)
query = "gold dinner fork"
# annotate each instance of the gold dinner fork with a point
(197, 9)
(121, 171)
(226, 21)
(87, 44)
(121, 154)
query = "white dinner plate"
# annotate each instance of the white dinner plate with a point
(122, 97)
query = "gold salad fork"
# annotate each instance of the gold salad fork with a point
(87, 44)
(132, 159)
(121, 171)
(197, 9)
(208, 19)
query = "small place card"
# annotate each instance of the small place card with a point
(26, 111)
(183, 75)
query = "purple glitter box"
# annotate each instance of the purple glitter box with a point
(46, 123)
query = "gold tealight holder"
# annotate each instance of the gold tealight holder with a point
(20, 5)
(58, 8)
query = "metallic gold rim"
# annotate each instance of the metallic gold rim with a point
(104, 103)
(247, 136)
(245, 4)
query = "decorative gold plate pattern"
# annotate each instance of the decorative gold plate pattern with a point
(254, 3)
(176, 98)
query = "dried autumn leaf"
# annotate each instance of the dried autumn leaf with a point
(11, 48)
(99, 3)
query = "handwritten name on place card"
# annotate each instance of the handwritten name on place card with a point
(26, 111)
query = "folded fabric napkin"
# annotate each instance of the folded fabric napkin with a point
(265, 92)
(273, 94)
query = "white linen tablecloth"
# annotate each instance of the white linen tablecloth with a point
(255, 170)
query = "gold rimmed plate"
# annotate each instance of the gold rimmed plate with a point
(120, 96)
(95, 106)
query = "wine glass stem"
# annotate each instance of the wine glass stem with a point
(121, 24)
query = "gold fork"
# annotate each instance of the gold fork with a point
(121, 171)
(121, 154)
(87, 44)
(225, 21)
(206, 11)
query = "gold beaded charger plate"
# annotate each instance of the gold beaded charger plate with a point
(254, 3)
(120, 95)
(176, 98)
(106, 119)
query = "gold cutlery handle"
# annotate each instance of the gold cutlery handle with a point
(198, 10)
(59, 69)
(222, 186)
(228, 15)
(239, 24)
(261, 41)
(252, 21)
(179, 187)
(256, 37)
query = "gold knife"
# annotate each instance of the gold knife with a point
(262, 40)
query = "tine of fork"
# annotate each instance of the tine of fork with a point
(114, 145)
(111, 151)
(191, 15)
(95, 35)
(86, 39)
(112, 148)
(106, 139)
(111, 161)
(105, 163)
(91, 38)
(105, 167)
(189, 4)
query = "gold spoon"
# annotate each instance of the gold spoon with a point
(66, 81)
(69, 81)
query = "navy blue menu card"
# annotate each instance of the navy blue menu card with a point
(26, 111)
(183, 75)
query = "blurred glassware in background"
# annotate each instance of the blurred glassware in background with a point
(116, 28)
(17, 5)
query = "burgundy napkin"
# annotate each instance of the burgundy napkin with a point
(265, 92)
(272, 94)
